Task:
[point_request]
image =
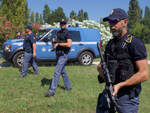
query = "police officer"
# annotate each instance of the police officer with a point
(18, 36)
(64, 42)
(126, 59)
(29, 46)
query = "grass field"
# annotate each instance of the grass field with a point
(26, 95)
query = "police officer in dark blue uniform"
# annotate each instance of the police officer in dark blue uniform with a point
(18, 36)
(63, 44)
(29, 46)
(126, 59)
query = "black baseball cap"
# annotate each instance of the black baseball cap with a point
(18, 31)
(116, 14)
(63, 21)
(29, 27)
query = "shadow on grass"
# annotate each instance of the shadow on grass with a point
(28, 72)
(46, 81)
(5, 64)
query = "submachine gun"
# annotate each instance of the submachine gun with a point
(108, 91)
(55, 41)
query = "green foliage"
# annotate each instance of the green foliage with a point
(41, 19)
(32, 18)
(146, 19)
(140, 27)
(46, 14)
(7, 30)
(59, 14)
(36, 28)
(137, 30)
(142, 32)
(81, 15)
(146, 23)
(37, 19)
(73, 15)
(15, 11)
(134, 14)
(147, 13)
(27, 11)
(86, 16)
(146, 34)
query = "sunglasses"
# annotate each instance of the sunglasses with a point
(113, 21)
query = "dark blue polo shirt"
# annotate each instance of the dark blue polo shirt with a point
(137, 49)
(28, 41)
(66, 35)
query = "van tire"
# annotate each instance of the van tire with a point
(86, 58)
(18, 59)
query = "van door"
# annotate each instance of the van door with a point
(44, 47)
(76, 44)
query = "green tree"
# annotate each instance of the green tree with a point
(41, 19)
(147, 13)
(81, 15)
(73, 15)
(59, 14)
(134, 14)
(37, 20)
(0, 3)
(27, 15)
(46, 14)
(52, 17)
(146, 34)
(32, 18)
(137, 30)
(146, 19)
(15, 11)
(86, 16)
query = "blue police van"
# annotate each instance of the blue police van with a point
(83, 49)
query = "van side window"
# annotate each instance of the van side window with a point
(75, 36)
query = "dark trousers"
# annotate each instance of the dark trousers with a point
(60, 70)
(125, 104)
(28, 58)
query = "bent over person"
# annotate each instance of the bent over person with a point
(126, 59)
(62, 45)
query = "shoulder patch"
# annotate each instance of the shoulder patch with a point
(34, 38)
(129, 38)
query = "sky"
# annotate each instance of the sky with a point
(96, 8)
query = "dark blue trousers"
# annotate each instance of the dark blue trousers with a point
(60, 70)
(28, 58)
(125, 104)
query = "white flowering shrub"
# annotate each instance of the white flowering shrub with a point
(104, 31)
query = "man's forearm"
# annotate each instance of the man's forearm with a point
(135, 79)
(141, 76)
(34, 47)
(67, 44)
(64, 44)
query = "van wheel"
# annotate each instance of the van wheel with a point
(18, 59)
(86, 58)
